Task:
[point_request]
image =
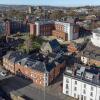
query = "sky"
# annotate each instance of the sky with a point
(52, 2)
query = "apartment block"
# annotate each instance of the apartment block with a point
(44, 28)
(82, 82)
(66, 31)
(61, 30)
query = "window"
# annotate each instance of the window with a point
(66, 86)
(91, 88)
(91, 94)
(46, 74)
(75, 82)
(81, 97)
(84, 91)
(75, 88)
(67, 92)
(67, 81)
(40, 82)
(46, 84)
(84, 85)
(84, 97)
(75, 95)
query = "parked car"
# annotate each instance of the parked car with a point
(3, 73)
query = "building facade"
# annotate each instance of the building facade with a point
(44, 28)
(61, 30)
(52, 46)
(91, 53)
(12, 26)
(41, 72)
(66, 31)
(81, 83)
(32, 29)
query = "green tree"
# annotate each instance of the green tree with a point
(58, 14)
(27, 46)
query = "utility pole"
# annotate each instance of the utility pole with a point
(44, 94)
(44, 87)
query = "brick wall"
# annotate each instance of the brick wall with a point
(60, 34)
(56, 71)
(36, 76)
(8, 65)
(32, 29)
(46, 29)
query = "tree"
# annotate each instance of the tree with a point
(58, 14)
(27, 46)
(15, 13)
(72, 13)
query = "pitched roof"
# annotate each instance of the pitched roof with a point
(37, 65)
(54, 44)
(14, 56)
(92, 52)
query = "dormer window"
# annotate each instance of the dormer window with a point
(19, 63)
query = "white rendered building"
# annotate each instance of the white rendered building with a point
(82, 83)
(69, 29)
(96, 37)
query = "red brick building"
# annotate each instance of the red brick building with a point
(66, 31)
(44, 28)
(32, 28)
(42, 73)
(7, 28)
(60, 35)
(14, 26)
(61, 30)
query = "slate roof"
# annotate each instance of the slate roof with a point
(14, 56)
(54, 44)
(45, 65)
(91, 51)
(36, 61)
(37, 65)
(84, 73)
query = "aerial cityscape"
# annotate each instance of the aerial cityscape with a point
(50, 50)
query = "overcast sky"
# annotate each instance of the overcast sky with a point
(52, 2)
